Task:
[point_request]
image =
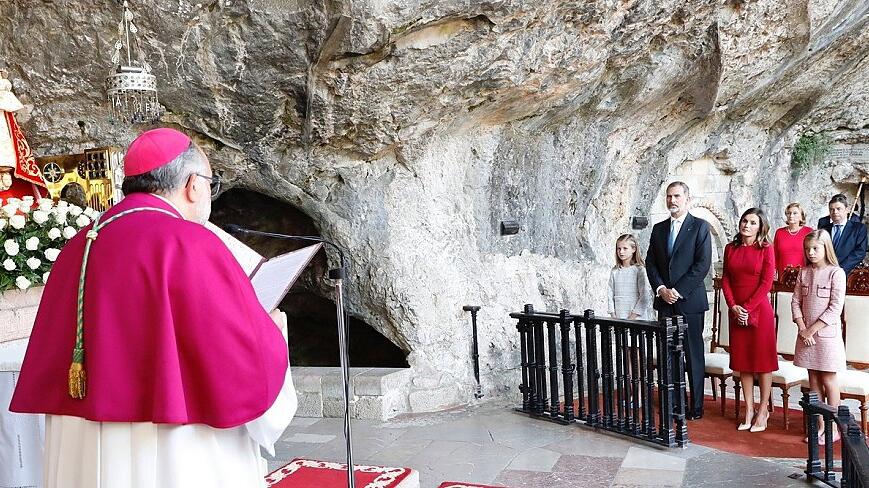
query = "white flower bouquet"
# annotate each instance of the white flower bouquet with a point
(32, 232)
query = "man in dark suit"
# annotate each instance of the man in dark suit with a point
(680, 253)
(855, 216)
(849, 237)
(825, 221)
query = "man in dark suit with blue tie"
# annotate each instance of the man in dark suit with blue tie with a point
(680, 253)
(849, 237)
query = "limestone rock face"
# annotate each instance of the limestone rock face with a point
(408, 130)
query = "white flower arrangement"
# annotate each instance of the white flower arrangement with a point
(32, 243)
(22, 282)
(32, 232)
(17, 221)
(11, 247)
(51, 254)
(40, 216)
(46, 204)
(82, 221)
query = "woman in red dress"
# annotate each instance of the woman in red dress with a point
(788, 241)
(749, 266)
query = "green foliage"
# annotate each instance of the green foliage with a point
(809, 150)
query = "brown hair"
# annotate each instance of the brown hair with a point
(802, 212)
(823, 237)
(762, 233)
(637, 258)
(839, 198)
(683, 185)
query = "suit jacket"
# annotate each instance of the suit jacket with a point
(825, 220)
(851, 248)
(686, 269)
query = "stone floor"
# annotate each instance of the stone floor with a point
(492, 444)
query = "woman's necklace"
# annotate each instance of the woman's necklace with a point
(796, 232)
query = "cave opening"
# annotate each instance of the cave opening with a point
(310, 308)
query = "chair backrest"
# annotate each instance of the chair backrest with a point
(858, 281)
(786, 334)
(788, 279)
(857, 329)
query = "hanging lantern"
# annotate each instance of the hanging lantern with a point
(131, 88)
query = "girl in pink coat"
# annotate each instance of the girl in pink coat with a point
(819, 297)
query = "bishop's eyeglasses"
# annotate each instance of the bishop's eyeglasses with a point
(215, 182)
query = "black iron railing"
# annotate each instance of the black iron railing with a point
(624, 376)
(854, 452)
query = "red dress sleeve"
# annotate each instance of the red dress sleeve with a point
(767, 273)
(726, 286)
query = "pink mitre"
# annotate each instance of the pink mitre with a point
(154, 148)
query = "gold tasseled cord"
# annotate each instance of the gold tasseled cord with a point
(77, 381)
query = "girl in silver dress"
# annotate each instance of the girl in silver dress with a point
(628, 292)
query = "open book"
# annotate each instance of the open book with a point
(271, 278)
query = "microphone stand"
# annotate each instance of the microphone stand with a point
(337, 276)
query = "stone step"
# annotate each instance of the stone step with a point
(376, 393)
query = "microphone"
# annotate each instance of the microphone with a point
(334, 274)
(234, 229)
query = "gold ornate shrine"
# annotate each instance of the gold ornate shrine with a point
(86, 179)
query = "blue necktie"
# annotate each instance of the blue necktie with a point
(672, 239)
(837, 233)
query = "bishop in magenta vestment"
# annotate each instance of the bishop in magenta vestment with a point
(187, 374)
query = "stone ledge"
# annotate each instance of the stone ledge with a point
(433, 399)
(13, 299)
(12, 354)
(18, 312)
(310, 404)
(377, 393)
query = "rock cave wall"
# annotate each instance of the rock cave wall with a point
(408, 130)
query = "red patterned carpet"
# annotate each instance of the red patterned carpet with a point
(719, 432)
(308, 473)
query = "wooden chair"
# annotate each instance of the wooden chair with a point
(718, 363)
(786, 330)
